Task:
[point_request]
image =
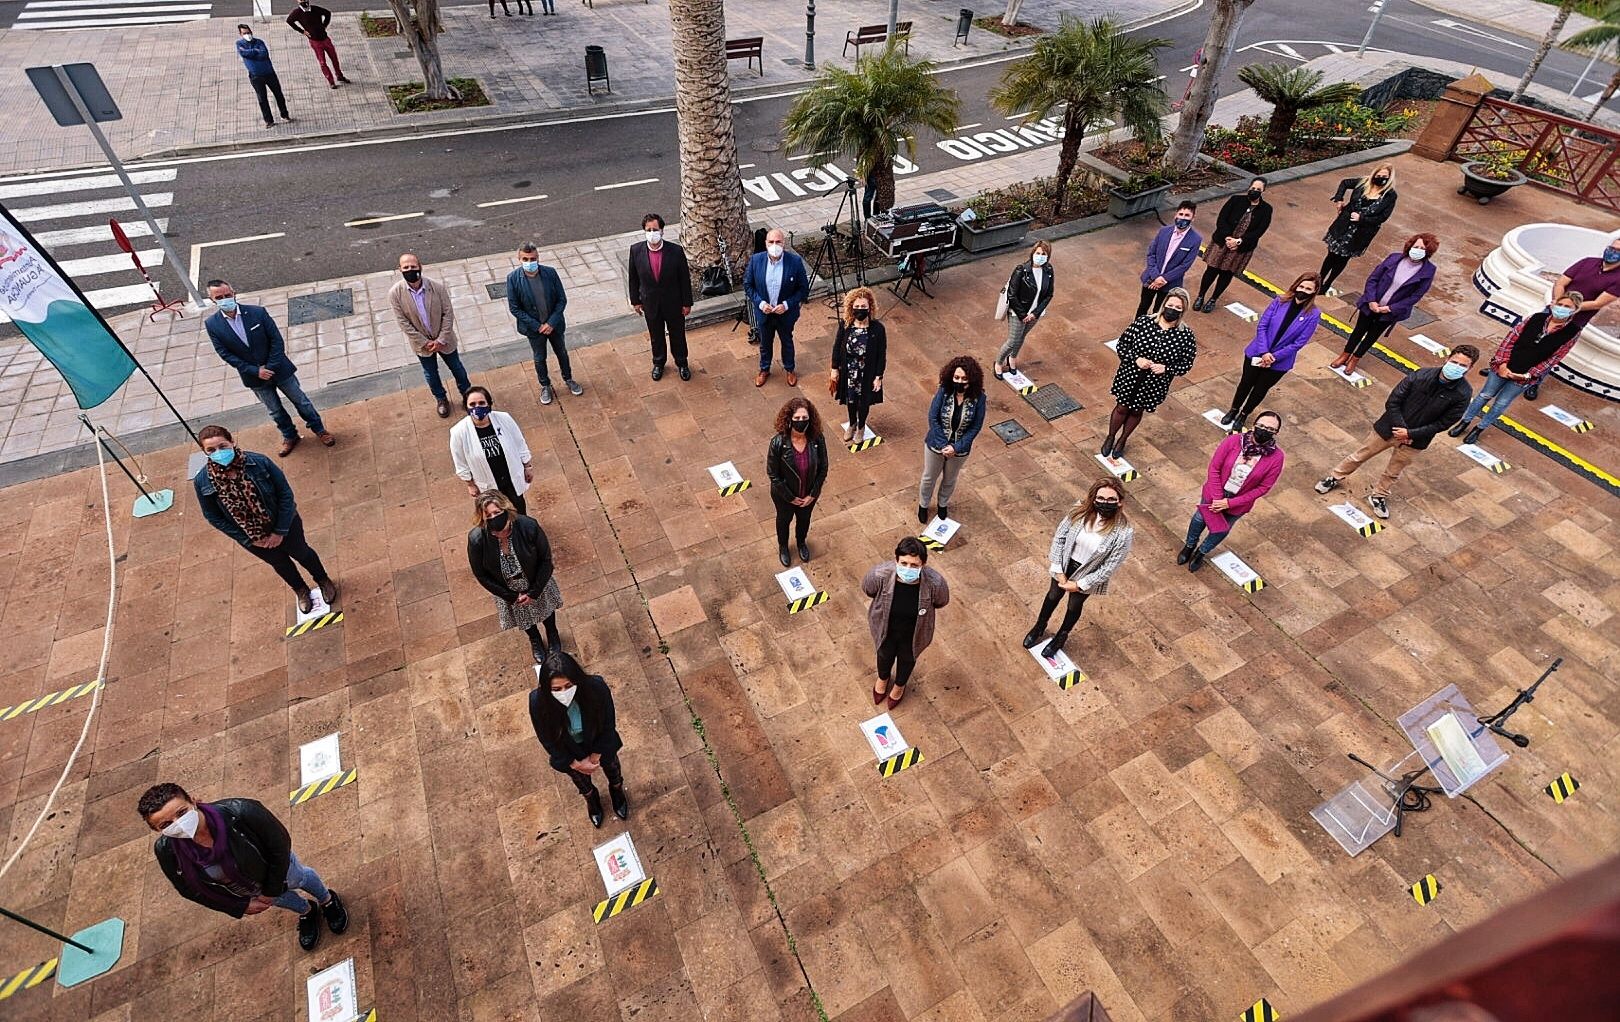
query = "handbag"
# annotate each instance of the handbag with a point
(1533, 391)
(1001, 303)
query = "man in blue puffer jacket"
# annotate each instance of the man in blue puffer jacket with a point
(255, 53)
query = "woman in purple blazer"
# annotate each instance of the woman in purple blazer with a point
(1244, 468)
(1392, 291)
(1285, 327)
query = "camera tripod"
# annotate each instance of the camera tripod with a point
(827, 264)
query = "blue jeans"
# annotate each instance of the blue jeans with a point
(537, 346)
(1195, 528)
(1500, 393)
(772, 326)
(430, 372)
(301, 878)
(306, 409)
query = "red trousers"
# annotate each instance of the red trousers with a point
(323, 48)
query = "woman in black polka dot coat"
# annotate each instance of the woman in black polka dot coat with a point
(1152, 350)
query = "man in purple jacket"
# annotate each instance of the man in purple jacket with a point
(1169, 258)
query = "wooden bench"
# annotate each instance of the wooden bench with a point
(866, 35)
(749, 49)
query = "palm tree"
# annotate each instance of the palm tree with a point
(1564, 9)
(1607, 31)
(1094, 73)
(868, 113)
(1224, 18)
(711, 183)
(1291, 90)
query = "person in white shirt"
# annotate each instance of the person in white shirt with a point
(489, 451)
(1090, 544)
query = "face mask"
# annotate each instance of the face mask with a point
(1381, 180)
(1183, 222)
(1611, 255)
(1304, 296)
(862, 315)
(532, 266)
(1254, 194)
(1417, 253)
(1106, 511)
(479, 411)
(247, 36)
(565, 696)
(1562, 312)
(1170, 314)
(775, 250)
(1039, 258)
(222, 457)
(960, 386)
(227, 304)
(1264, 436)
(411, 276)
(184, 825)
(907, 575)
(654, 237)
(800, 425)
(497, 523)
(1453, 371)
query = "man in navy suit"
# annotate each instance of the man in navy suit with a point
(1171, 255)
(776, 283)
(247, 339)
(536, 300)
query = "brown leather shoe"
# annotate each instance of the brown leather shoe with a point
(287, 447)
(792, 378)
(764, 374)
(326, 438)
(443, 408)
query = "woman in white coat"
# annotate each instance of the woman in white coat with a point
(489, 450)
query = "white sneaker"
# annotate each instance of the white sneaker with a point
(1379, 505)
(1327, 484)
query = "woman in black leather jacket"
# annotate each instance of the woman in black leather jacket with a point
(796, 462)
(511, 557)
(1029, 291)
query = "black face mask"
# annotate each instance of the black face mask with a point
(800, 425)
(960, 386)
(1170, 315)
(1304, 296)
(411, 276)
(1254, 195)
(862, 315)
(1106, 510)
(1380, 181)
(497, 523)
(1264, 436)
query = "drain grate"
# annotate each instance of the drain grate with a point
(496, 291)
(1010, 431)
(1052, 401)
(941, 194)
(321, 305)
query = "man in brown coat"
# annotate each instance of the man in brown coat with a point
(422, 307)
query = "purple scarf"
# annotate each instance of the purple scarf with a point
(194, 859)
(1254, 449)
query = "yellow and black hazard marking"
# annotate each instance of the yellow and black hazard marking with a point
(1127, 476)
(1426, 890)
(905, 761)
(1370, 529)
(49, 699)
(1574, 462)
(1562, 787)
(1253, 585)
(1262, 1011)
(1359, 382)
(734, 488)
(1584, 426)
(864, 445)
(1500, 466)
(370, 1016)
(806, 602)
(301, 795)
(930, 542)
(630, 897)
(28, 979)
(1070, 679)
(1027, 389)
(329, 618)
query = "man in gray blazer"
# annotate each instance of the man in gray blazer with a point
(422, 307)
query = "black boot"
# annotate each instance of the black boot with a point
(1460, 428)
(782, 555)
(337, 917)
(942, 513)
(593, 807)
(804, 552)
(1231, 413)
(1034, 635)
(621, 805)
(1196, 561)
(1107, 445)
(1185, 555)
(1240, 424)
(1473, 435)
(922, 515)
(1055, 645)
(309, 928)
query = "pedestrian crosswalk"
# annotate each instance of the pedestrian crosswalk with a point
(68, 216)
(65, 14)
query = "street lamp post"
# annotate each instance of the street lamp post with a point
(810, 34)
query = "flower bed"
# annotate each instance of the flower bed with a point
(373, 27)
(1318, 135)
(1018, 31)
(1033, 199)
(1143, 163)
(408, 99)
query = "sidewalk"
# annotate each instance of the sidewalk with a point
(1521, 17)
(182, 87)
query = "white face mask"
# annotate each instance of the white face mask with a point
(185, 825)
(654, 237)
(1417, 253)
(1039, 258)
(247, 36)
(775, 249)
(565, 696)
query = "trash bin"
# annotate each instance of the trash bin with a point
(964, 21)
(596, 69)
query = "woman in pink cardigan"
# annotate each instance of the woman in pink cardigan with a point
(1245, 467)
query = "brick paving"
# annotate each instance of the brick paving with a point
(1145, 835)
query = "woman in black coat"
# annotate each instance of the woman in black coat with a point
(572, 713)
(1029, 291)
(511, 557)
(1243, 219)
(860, 354)
(1364, 205)
(796, 464)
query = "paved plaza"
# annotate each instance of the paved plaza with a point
(1145, 835)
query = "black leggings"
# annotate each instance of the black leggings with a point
(538, 646)
(1220, 278)
(1332, 266)
(1368, 329)
(1253, 386)
(1122, 422)
(1071, 613)
(608, 766)
(293, 547)
(857, 415)
(896, 653)
(1151, 299)
(799, 516)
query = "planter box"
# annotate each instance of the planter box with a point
(983, 239)
(1486, 188)
(1123, 205)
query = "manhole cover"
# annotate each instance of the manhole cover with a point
(321, 305)
(497, 290)
(765, 145)
(1052, 402)
(1010, 431)
(940, 194)
(1418, 318)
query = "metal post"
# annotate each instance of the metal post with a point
(49, 933)
(102, 441)
(894, 16)
(129, 186)
(1574, 93)
(810, 35)
(1377, 12)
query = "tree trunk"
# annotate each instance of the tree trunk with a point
(1282, 121)
(1547, 42)
(1608, 94)
(885, 186)
(1074, 132)
(421, 28)
(1010, 18)
(711, 183)
(1224, 19)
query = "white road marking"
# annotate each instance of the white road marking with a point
(110, 263)
(627, 184)
(82, 184)
(110, 299)
(510, 202)
(196, 250)
(1334, 47)
(1466, 29)
(110, 22)
(32, 214)
(965, 127)
(1289, 51)
(744, 166)
(103, 9)
(381, 219)
(94, 235)
(161, 5)
(809, 156)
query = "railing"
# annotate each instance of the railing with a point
(1560, 153)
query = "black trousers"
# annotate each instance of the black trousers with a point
(672, 323)
(541, 646)
(1071, 613)
(293, 548)
(1253, 386)
(799, 516)
(894, 653)
(1219, 278)
(857, 414)
(1151, 300)
(1367, 330)
(1332, 266)
(518, 503)
(586, 783)
(263, 84)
